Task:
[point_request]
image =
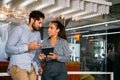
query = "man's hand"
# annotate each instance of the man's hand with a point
(33, 46)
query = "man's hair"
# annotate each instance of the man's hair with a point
(36, 14)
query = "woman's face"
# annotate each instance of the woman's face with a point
(52, 30)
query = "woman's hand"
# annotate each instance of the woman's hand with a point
(42, 56)
(52, 56)
(40, 71)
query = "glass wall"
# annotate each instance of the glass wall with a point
(96, 48)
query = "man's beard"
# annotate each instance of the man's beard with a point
(34, 28)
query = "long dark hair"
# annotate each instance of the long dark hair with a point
(62, 32)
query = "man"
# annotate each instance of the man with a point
(23, 46)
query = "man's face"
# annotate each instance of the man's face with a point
(37, 24)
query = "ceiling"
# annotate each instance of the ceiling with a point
(114, 13)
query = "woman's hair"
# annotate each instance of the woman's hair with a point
(61, 27)
(36, 14)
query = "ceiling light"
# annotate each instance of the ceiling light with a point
(86, 26)
(100, 34)
(5, 12)
(80, 32)
(3, 16)
(20, 13)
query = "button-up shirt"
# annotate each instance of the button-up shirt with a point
(17, 47)
(61, 48)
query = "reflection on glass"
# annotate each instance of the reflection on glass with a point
(74, 50)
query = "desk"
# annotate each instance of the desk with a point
(73, 66)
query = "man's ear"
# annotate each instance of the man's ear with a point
(32, 20)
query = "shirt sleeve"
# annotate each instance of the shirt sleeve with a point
(13, 38)
(38, 51)
(66, 52)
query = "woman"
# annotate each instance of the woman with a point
(55, 68)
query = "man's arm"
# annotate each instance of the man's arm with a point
(13, 38)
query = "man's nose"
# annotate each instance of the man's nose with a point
(40, 25)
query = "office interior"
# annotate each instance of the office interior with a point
(93, 31)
